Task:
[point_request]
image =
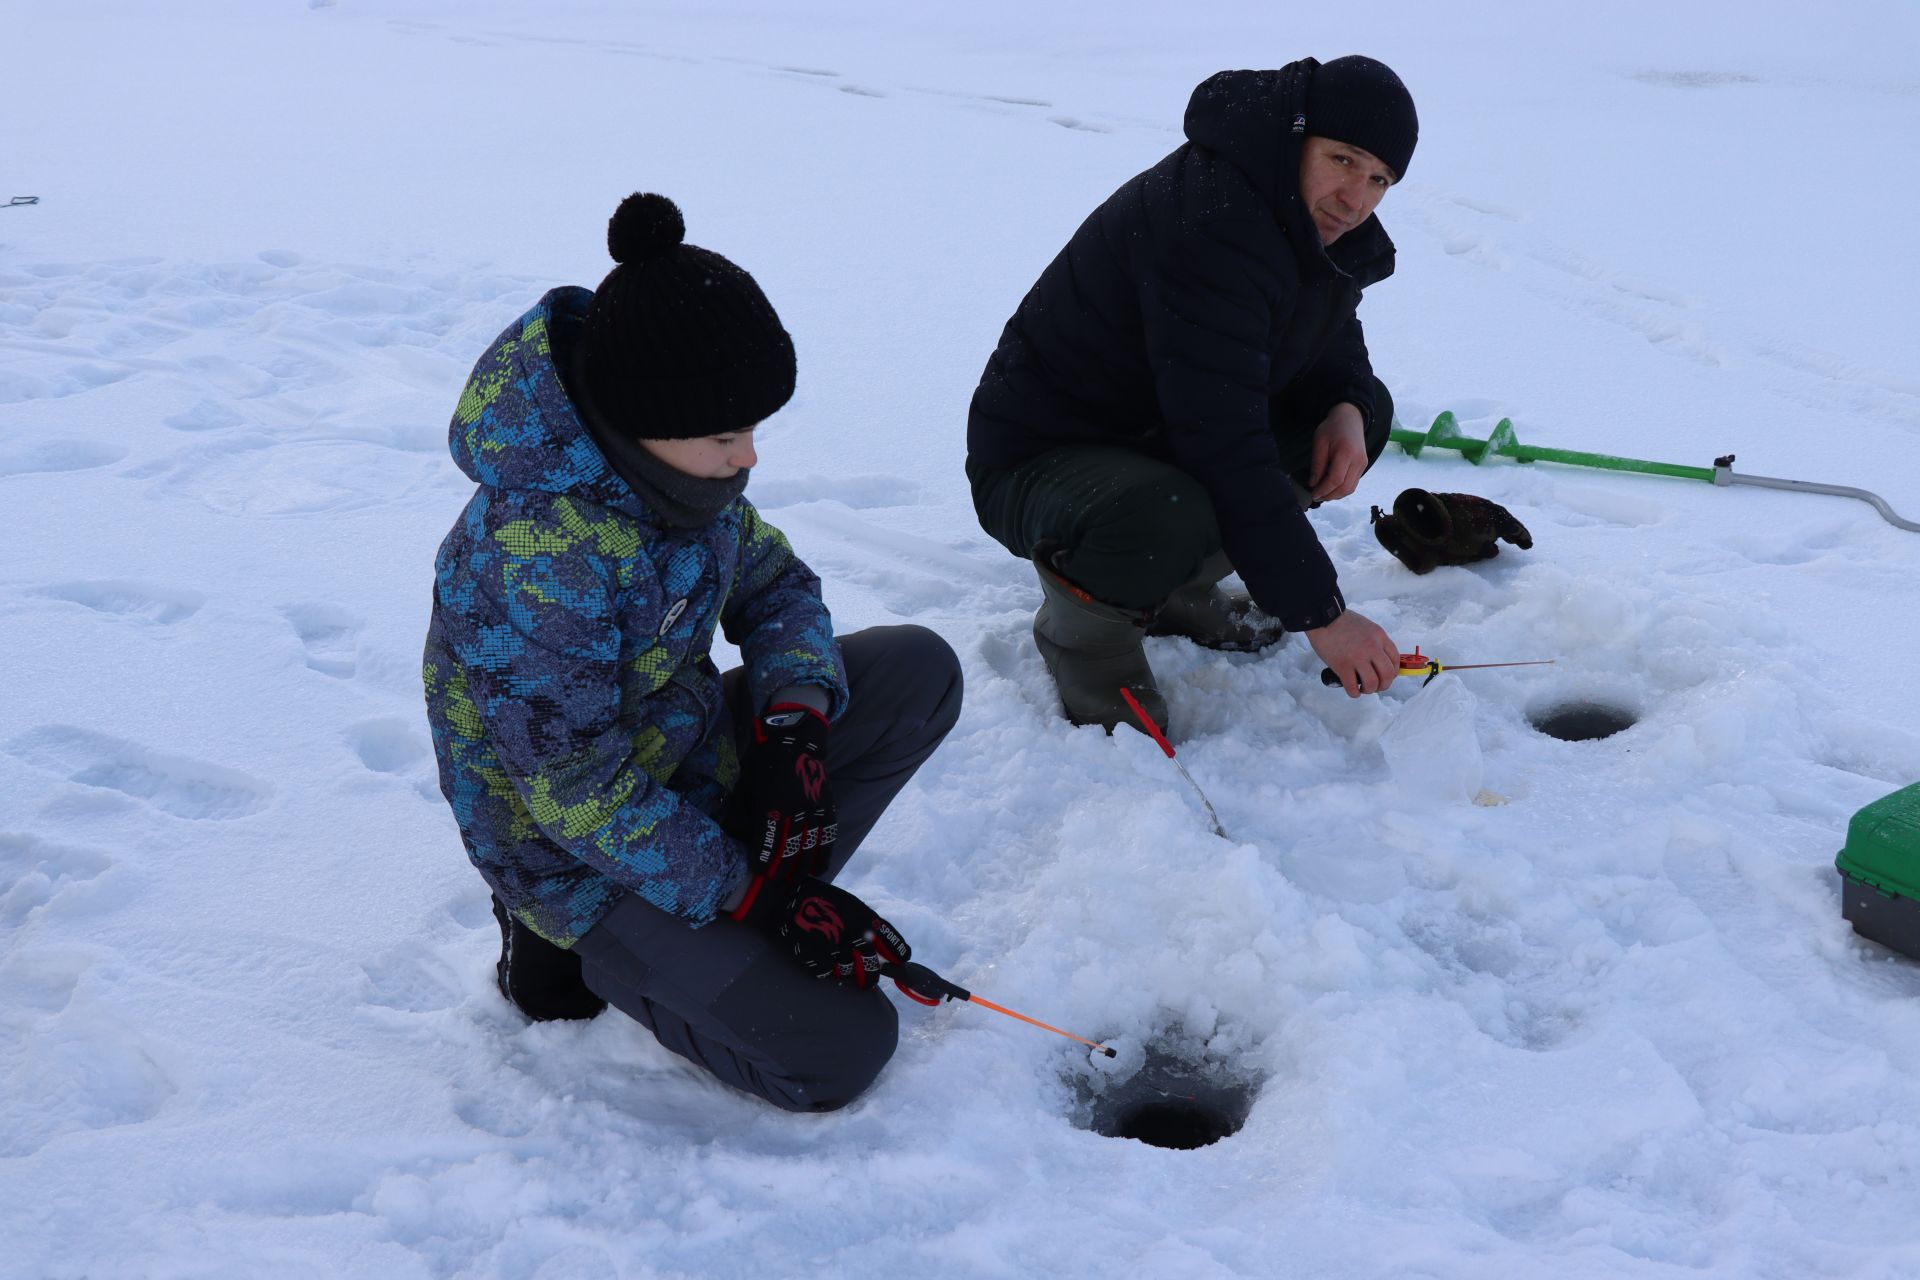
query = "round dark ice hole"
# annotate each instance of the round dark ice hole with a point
(1172, 1103)
(1180, 1125)
(1582, 721)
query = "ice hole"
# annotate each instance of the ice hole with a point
(1182, 1126)
(1582, 721)
(1171, 1102)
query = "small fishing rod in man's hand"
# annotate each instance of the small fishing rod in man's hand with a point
(1418, 664)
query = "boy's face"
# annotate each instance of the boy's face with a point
(718, 457)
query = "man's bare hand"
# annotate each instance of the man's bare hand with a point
(1359, 652)
(1339, 454)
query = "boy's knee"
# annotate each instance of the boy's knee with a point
(928, 653)
(919, 672)
(838, 1063)
(924, 649)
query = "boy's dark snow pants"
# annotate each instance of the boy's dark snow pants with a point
(1132, 527)
(723, 996)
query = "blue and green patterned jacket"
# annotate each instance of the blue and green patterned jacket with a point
(576, 713)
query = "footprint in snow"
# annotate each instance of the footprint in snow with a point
(294, 479)
(330, 635)
(1786, 546)
(498, 1116)
(136, 601)
(207, 415)
(197, 790)
(21, 459)
(1599, 506)
(388, 745)
(413, 979)
(394, 748)
(473, 909)
(1008, 652)
(35, 873)
(77, 1068)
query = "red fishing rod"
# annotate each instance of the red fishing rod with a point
(1153, 731)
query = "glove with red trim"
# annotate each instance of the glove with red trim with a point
(791, 820)
(829, 932)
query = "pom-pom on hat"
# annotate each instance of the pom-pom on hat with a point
(679, 342)
(1359, 100)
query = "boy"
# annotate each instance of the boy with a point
(658, 836)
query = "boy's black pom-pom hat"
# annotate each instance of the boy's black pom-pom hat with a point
(680, 342)
(1360, 101)
(644, 225)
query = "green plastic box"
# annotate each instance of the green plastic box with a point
(1880, 872)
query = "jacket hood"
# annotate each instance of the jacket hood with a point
(516, 427)
(1256, 120)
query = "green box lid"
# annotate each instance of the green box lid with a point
(1883, 843)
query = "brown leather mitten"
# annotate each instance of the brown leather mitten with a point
(1428, 529)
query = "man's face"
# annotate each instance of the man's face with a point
(1341, 184)
(709, 457)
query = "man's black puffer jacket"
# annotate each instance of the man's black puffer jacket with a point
(1197, 293)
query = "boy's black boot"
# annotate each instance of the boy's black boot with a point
(537, 978)
(1093, 650)
(1213, 618)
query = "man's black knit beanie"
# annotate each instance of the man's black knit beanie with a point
(680, 342)
(1360, 101)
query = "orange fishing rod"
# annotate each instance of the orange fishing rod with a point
(919, 983)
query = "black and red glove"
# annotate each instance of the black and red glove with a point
(790, 819)
(829, 932)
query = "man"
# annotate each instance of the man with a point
(1189, 375)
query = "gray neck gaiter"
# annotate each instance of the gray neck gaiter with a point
(680, 500)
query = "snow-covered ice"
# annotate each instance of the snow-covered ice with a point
(1608, 1022)
(1432, 747)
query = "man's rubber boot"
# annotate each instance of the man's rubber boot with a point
(1213, 618)
(1093, 650)
(537, 978)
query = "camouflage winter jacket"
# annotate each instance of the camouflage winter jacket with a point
(577, 716)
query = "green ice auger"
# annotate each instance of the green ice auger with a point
(1445, 434)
